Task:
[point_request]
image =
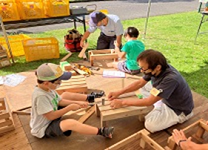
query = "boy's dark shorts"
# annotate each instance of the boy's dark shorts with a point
(54, 129)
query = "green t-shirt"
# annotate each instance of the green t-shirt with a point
(132, 49)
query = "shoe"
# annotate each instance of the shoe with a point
(98, 95)
(107, 132)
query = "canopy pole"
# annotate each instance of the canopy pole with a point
(146, 22)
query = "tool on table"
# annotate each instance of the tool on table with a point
(103, 101)
(98, 102)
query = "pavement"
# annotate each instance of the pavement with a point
(126, 10)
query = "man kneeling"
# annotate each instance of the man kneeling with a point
(168, 86)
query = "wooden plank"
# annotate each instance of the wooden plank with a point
(135, 137)
(150, 141)
(87, 114)
(6, 129)
(76, 84)
(103, 51)
(141, 136)
(6, 123)
(83, 50)
(103, 56)
(66, 57)
(22, 112)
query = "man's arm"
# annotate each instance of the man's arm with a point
(134, 86)
(118, 40)
(141, 102)
(118, 51)
(130, 88)
(84, 37)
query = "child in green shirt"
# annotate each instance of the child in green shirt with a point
(131, 51)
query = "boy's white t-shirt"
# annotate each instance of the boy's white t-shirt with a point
(42, 102)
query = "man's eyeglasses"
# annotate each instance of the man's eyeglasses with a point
(144, 69)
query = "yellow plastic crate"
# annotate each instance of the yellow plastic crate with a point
(30, 9)
(8, 10)
(54, 8)
(41, 48)
(15, 42)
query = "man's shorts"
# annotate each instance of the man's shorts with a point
(122, 67)
(54, 130)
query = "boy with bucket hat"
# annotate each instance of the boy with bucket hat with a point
(48, 107)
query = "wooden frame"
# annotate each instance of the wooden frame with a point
(76, 84)
(4, 58)
(6, 120)
(202, 127)
(101, 55)
(106, 113)
(140, 138)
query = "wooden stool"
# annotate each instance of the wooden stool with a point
(76, 84)
(139, 139)
(106, 113)
(102, 55)
(202, 127)
(6, 120)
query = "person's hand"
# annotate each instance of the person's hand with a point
(207, 122)
(178, 136)
(116, 103)
(74, 107)
(112, 95)
(82, 43)
(116, 44)
(82, 104)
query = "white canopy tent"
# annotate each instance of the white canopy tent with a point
(147, 18)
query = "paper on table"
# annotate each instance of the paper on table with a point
(113, 74)
(13, 79)
(1, 80)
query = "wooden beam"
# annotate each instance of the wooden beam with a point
(66, 57)
(87, 114)
(21, 112)
(81, 54)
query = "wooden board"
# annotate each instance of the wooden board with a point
(106, 113)
(102, 55)
(76, 84)
(19, 97)
(140, 138)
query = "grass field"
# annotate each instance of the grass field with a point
(173, 35)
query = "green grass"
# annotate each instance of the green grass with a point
(173, 35)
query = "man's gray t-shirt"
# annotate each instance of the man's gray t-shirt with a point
(176, 93)
(42, 102)
(114, 27)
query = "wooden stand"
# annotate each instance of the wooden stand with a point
(76, 84)
(106, 113)
(135, 141)
(6, 120)
(4, 59)
(102, 55)
(202, 127)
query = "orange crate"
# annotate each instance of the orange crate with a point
(8, 10)
(41, 48)
(30, 9)
(54, 8)
(15, 42)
